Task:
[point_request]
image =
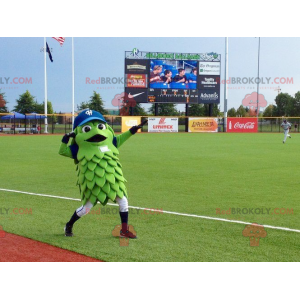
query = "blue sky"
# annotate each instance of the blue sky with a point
(104, 57)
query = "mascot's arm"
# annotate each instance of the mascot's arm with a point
(64, 149)
(122, 138)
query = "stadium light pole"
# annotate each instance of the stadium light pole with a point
(73, 84)
(258, 77)
(46, 98)
(225, 84)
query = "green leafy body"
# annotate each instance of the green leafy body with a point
(100, 175)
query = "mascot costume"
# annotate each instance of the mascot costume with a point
(94, 148)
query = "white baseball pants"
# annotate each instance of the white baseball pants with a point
(286, 134)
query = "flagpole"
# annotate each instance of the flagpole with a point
(257, 106)
(73, 83)
(225, 84)
(46, 99)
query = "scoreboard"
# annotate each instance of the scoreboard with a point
(172, 96)
(172, 77)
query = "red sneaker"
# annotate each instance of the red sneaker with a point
(127, 234)
(126, 231)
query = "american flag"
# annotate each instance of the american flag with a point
(59, 39)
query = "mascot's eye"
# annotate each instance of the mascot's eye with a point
(101, 126)
(86, 128)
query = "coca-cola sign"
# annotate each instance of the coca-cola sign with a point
(248, 125)
(241, 125)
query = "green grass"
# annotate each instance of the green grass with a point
(187, 173)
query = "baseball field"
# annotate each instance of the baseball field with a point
(205, 189)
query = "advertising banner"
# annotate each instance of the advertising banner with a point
(209, 68)
(128, 122)
(203, 124)
(209, 96)
(139, 66)
(136, 80)
(136, 94)
(209, 82)
(242, 125)
(162, 124)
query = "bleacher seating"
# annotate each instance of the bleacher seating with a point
(158, 85)
(176, 85)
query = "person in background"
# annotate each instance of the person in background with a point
(155, 74)
(193, 76)
(167, 77)
(180, 77)
(286, 127)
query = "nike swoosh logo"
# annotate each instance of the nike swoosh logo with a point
(135, 95)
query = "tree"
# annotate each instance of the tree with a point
(290, 109)
(3, 103)
(270, 111)
(231, 112)
(40, 108)
(138, 110)
(241, 111)
(297, 104)
(83, 105)
(164, 109)
(25, 103)
(95, 103)
(252, 112)
(196, 110)
(130, 104)
(215, 110)
(284, 104)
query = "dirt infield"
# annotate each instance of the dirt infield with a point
(15, 248)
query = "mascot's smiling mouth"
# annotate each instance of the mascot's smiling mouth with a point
(96, 138)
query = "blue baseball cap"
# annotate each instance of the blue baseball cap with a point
(86, 116)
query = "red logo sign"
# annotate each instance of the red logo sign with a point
(162, 121)
(241, 125)
(136, 80)
(162, 124)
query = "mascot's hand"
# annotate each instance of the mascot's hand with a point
(134, 129)
(67, 137)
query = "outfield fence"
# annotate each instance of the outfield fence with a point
(62, 123)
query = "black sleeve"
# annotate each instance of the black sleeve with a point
(176, 78)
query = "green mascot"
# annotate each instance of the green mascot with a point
(94, 147)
